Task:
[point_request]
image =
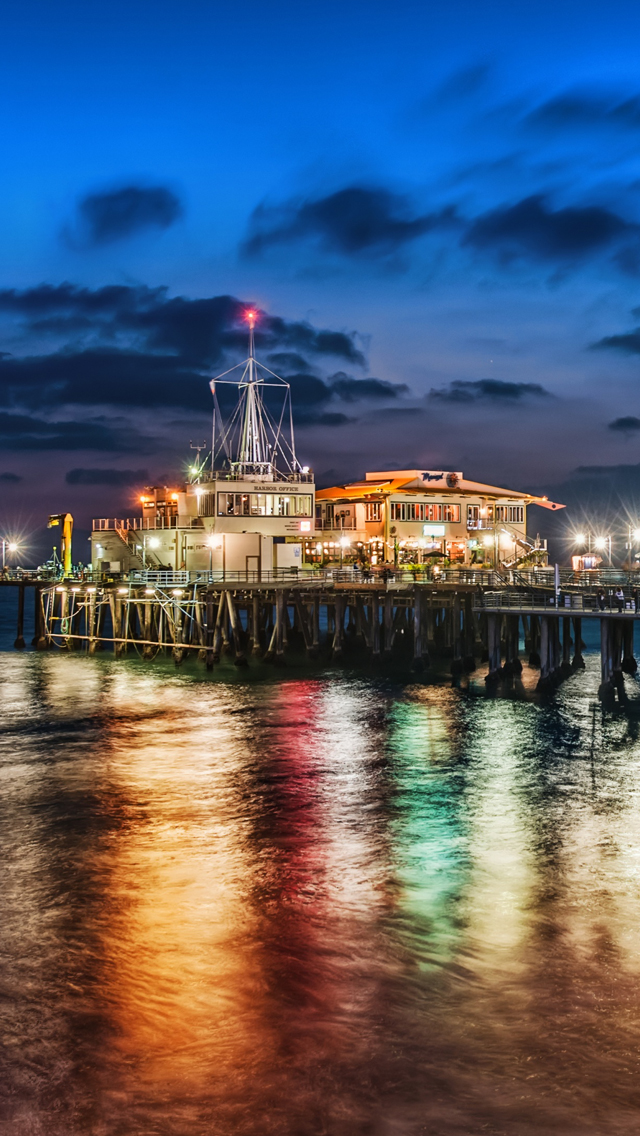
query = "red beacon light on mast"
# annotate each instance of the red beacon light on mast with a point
(251, 317)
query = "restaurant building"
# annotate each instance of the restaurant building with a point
(422, 516)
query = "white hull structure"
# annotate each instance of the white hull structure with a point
(246, 510)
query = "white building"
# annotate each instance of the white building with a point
(247, 509)
(415, 516)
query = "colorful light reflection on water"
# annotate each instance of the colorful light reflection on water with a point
(321, 905)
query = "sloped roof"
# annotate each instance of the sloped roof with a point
(412, 480)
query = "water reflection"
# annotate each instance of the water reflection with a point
(324, 905)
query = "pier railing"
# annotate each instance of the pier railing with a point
(565, 603)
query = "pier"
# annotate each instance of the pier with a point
(463, 620)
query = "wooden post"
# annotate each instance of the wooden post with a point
(375, 624)
(388, 622)
(91, 613)
(279, 628)
(240, 659)
(456, 637)
(578, 662)
(606, 690)
(629, 664)
(493, 644)
(316, 623)
(303, 620)
(19, 643)
(209, 628)
(418, 663)
(339, 627)
(255, 624)
(566, 645)
(546, 664)
(534, 637)
(217, 631)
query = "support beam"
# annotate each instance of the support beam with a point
(236, 630)
(19, 642)
(493, 646)
(577, 663)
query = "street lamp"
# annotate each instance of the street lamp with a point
(7, 546)
(344, 543)
(601, 543)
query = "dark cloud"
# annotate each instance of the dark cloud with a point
(587, 108)
(24, 432)
(114, 215)
(10, 478)
(327, 418)
(627, 425)
(353, 390)
(488, 390)
(531, 228)
(107, 477)
(102, 377)
(353, 221)
(203, 332)
(628, 342)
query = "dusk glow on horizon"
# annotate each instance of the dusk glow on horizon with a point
(441, 225)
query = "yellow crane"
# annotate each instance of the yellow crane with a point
(66, 521)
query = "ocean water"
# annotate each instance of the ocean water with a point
(314, 902)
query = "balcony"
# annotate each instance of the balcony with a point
(143, 524)
(339, 524)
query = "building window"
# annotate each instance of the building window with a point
(262, 505)
(207, 504)
(374, 510)
(511, 514)
(424, 511)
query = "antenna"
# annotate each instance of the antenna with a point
(254, 443)
(195, 471)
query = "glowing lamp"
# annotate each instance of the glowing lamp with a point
(177, 592)
(12, 546)
(174, 496)
(636, 535)
(344, 541)
(305, 526)
(154, 542)
(600, 542)
(580, 538)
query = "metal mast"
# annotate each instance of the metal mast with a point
(254, 442)
(252, 448)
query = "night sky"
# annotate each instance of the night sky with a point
(436, 207)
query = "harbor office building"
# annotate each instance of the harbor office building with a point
(222, 523)
(245, 509)
(418, 516)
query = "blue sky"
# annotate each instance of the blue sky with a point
(450, 190)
